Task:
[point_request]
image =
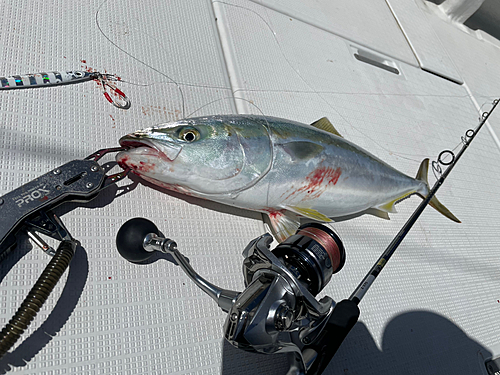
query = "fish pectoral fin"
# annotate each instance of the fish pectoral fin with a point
(378, 213)
(283, 225)
(301, 150)
(325, 124)
(309, 213)
(285, 222)
(389, 206)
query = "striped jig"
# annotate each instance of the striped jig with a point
(48, 79)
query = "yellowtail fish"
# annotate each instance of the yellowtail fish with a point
(279, 167)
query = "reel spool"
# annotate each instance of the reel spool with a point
(313, 254)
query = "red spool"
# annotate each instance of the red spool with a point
(325, 240)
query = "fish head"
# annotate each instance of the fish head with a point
(205, 155)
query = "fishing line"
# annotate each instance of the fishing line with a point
(178, 84)
(465, 96)
(170, 79)
(135, 58)
(229, 98)
(187, 84)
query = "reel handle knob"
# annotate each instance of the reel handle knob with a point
(130, 239)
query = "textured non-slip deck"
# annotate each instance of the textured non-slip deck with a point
(435, 308)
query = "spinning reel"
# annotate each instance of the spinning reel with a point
(277, 312)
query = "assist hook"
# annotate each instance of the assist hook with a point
(117, 97)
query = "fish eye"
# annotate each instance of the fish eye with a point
(189, 135)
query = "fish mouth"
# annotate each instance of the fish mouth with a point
(168, 152)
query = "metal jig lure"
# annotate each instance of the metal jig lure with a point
(35, 80)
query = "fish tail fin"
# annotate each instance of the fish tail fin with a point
(434, 202)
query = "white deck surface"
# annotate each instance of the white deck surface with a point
(435, 309)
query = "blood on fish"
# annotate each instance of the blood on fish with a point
(317, 177)
(122, 162)
(143, 167)
(273, 214)
(317, 181)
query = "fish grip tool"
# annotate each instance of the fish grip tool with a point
(277, 312)
(28, 209)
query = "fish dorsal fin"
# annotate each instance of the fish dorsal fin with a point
(423, 171)
(325, 124)
(309, 213)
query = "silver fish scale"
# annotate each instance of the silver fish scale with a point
(286, 165)
(341, 179)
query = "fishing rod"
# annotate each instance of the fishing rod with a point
(348, 312)
(370, 277)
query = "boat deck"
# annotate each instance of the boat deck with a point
(392, 76)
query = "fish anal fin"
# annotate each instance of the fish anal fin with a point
(283, 225)
(387, 207)
(378, 213)
(309, 213)
(390, 206)
(325, 124)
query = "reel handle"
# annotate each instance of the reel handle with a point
(139, 238)
(130, 239)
